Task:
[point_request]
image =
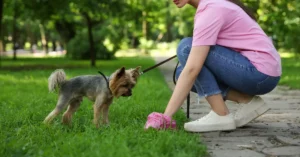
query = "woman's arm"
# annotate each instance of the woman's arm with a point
(187, 78)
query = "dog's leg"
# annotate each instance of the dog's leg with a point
(72, 108)
(97, 110)
(62, 102)
(104, 109)
(105, 113)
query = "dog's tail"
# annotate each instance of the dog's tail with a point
(56, 79)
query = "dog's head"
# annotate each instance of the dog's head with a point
(122, 81)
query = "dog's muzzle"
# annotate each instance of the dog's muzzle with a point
(129, 93)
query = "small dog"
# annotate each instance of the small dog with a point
(94, 87)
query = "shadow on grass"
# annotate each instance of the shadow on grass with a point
(65, 63)
(41, 67)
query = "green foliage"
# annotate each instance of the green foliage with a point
(79, 48)
(133, 23)
(106, 40)
(280, 19)
(26, 102)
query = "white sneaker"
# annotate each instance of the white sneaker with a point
(250, 111)
(211, 122)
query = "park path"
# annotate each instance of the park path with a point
(276, 133)
(37, 54)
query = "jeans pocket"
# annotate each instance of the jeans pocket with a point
(267, 85)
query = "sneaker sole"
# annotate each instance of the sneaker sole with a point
(252, 115)
(223, 127)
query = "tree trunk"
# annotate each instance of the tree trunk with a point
(43, 38)
(65, 29)
(1, 44)
(1, 15)
(144, 27)
(4, 42)
(53, 45)
(15, 44)
(30, 35)
(168, 23)
(46, 44)
(91, 39)
(145, 24)
(134, 39)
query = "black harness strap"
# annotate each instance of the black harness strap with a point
(107, 83)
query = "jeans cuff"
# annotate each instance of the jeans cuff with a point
(215, 92)
(225, 92)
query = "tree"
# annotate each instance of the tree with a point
(96, 29)
(1, 15)
(15, 16)
(49, 14)
(96, 13)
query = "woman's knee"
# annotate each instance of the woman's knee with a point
(184, 48)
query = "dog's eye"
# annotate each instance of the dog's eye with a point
(125, 85)
(128, 85)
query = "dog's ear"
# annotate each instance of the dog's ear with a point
(121, 72)
(137, 69)
(136, 72)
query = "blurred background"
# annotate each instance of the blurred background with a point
(87, 36)
(105, 29)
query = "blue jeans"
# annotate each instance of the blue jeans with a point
(225, 69)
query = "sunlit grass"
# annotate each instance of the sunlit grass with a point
(25, 101)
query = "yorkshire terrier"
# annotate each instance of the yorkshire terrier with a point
(98, 89)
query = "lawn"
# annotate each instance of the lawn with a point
(25, 102)
(290, 72)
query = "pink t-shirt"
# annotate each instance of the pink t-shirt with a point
(220, 22)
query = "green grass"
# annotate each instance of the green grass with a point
(25, 102)
(290, 72)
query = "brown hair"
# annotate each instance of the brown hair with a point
(246, 9)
